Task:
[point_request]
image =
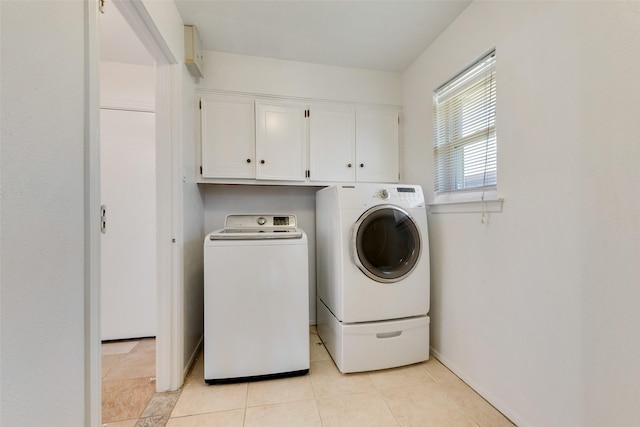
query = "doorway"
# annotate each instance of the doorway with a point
(168, 343)
(128, 284)
(127, 182)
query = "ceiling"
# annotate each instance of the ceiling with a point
(381, 35)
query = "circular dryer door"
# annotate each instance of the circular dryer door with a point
(385, 243)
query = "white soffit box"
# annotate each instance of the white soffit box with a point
(193, 58)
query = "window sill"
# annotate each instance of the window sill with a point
(467, 206)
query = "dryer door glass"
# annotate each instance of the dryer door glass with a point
(386, 243)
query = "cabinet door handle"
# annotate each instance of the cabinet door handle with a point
(349, 165)
(248, 160)
(262, 162)
(361, 165)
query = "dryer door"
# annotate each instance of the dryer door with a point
(385, 243)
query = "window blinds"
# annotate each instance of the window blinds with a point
(464, 140)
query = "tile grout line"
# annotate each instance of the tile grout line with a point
(386, 403)
(246, 405)
(313, 389)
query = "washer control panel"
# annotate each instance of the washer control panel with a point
(260, 221)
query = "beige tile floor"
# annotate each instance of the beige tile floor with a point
(425, 394)
(128, 380)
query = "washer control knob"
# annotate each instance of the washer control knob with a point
(384, 194)
(262, 220)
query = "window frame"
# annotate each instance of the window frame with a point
(451, 183)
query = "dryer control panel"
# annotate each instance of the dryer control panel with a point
(365, 195)
(410, 195)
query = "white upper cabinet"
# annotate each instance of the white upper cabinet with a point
(281, 141)
(246, 139)
(376, 145)
(353, 145)
(228, 137)
(332, 141)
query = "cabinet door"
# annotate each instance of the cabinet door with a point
(228, 137)
(376, 145)
(332, 139)
(280, 142)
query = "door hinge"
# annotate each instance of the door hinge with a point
(103, 219)
(200, 170)
(200, 104)
(307, 173)
(307, 113)
(101, 6)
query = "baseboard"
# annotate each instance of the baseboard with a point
(192, 358)
(489, 397)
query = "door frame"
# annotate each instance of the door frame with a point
(169, 338)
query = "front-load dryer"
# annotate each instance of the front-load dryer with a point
(372, 275)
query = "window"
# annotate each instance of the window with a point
(464, 132)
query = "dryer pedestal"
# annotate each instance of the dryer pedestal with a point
(393, 342)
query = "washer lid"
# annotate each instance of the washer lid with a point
(235, 234)
(386, 243)
(258, 227)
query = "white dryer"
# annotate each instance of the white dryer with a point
(372, 275)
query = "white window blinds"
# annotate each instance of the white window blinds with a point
(464, 135)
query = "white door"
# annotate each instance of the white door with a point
(128, 258)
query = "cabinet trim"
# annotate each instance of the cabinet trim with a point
(201, 92)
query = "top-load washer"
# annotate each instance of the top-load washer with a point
(256, 299)
(372, 275)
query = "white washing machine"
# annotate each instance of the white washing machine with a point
(372, 275)
(256, 299)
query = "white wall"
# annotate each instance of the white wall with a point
(255, 75)
(273, 77)
(44, 375)
(42, 218)
(127, 86)
(537, 309)
(193, 237)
